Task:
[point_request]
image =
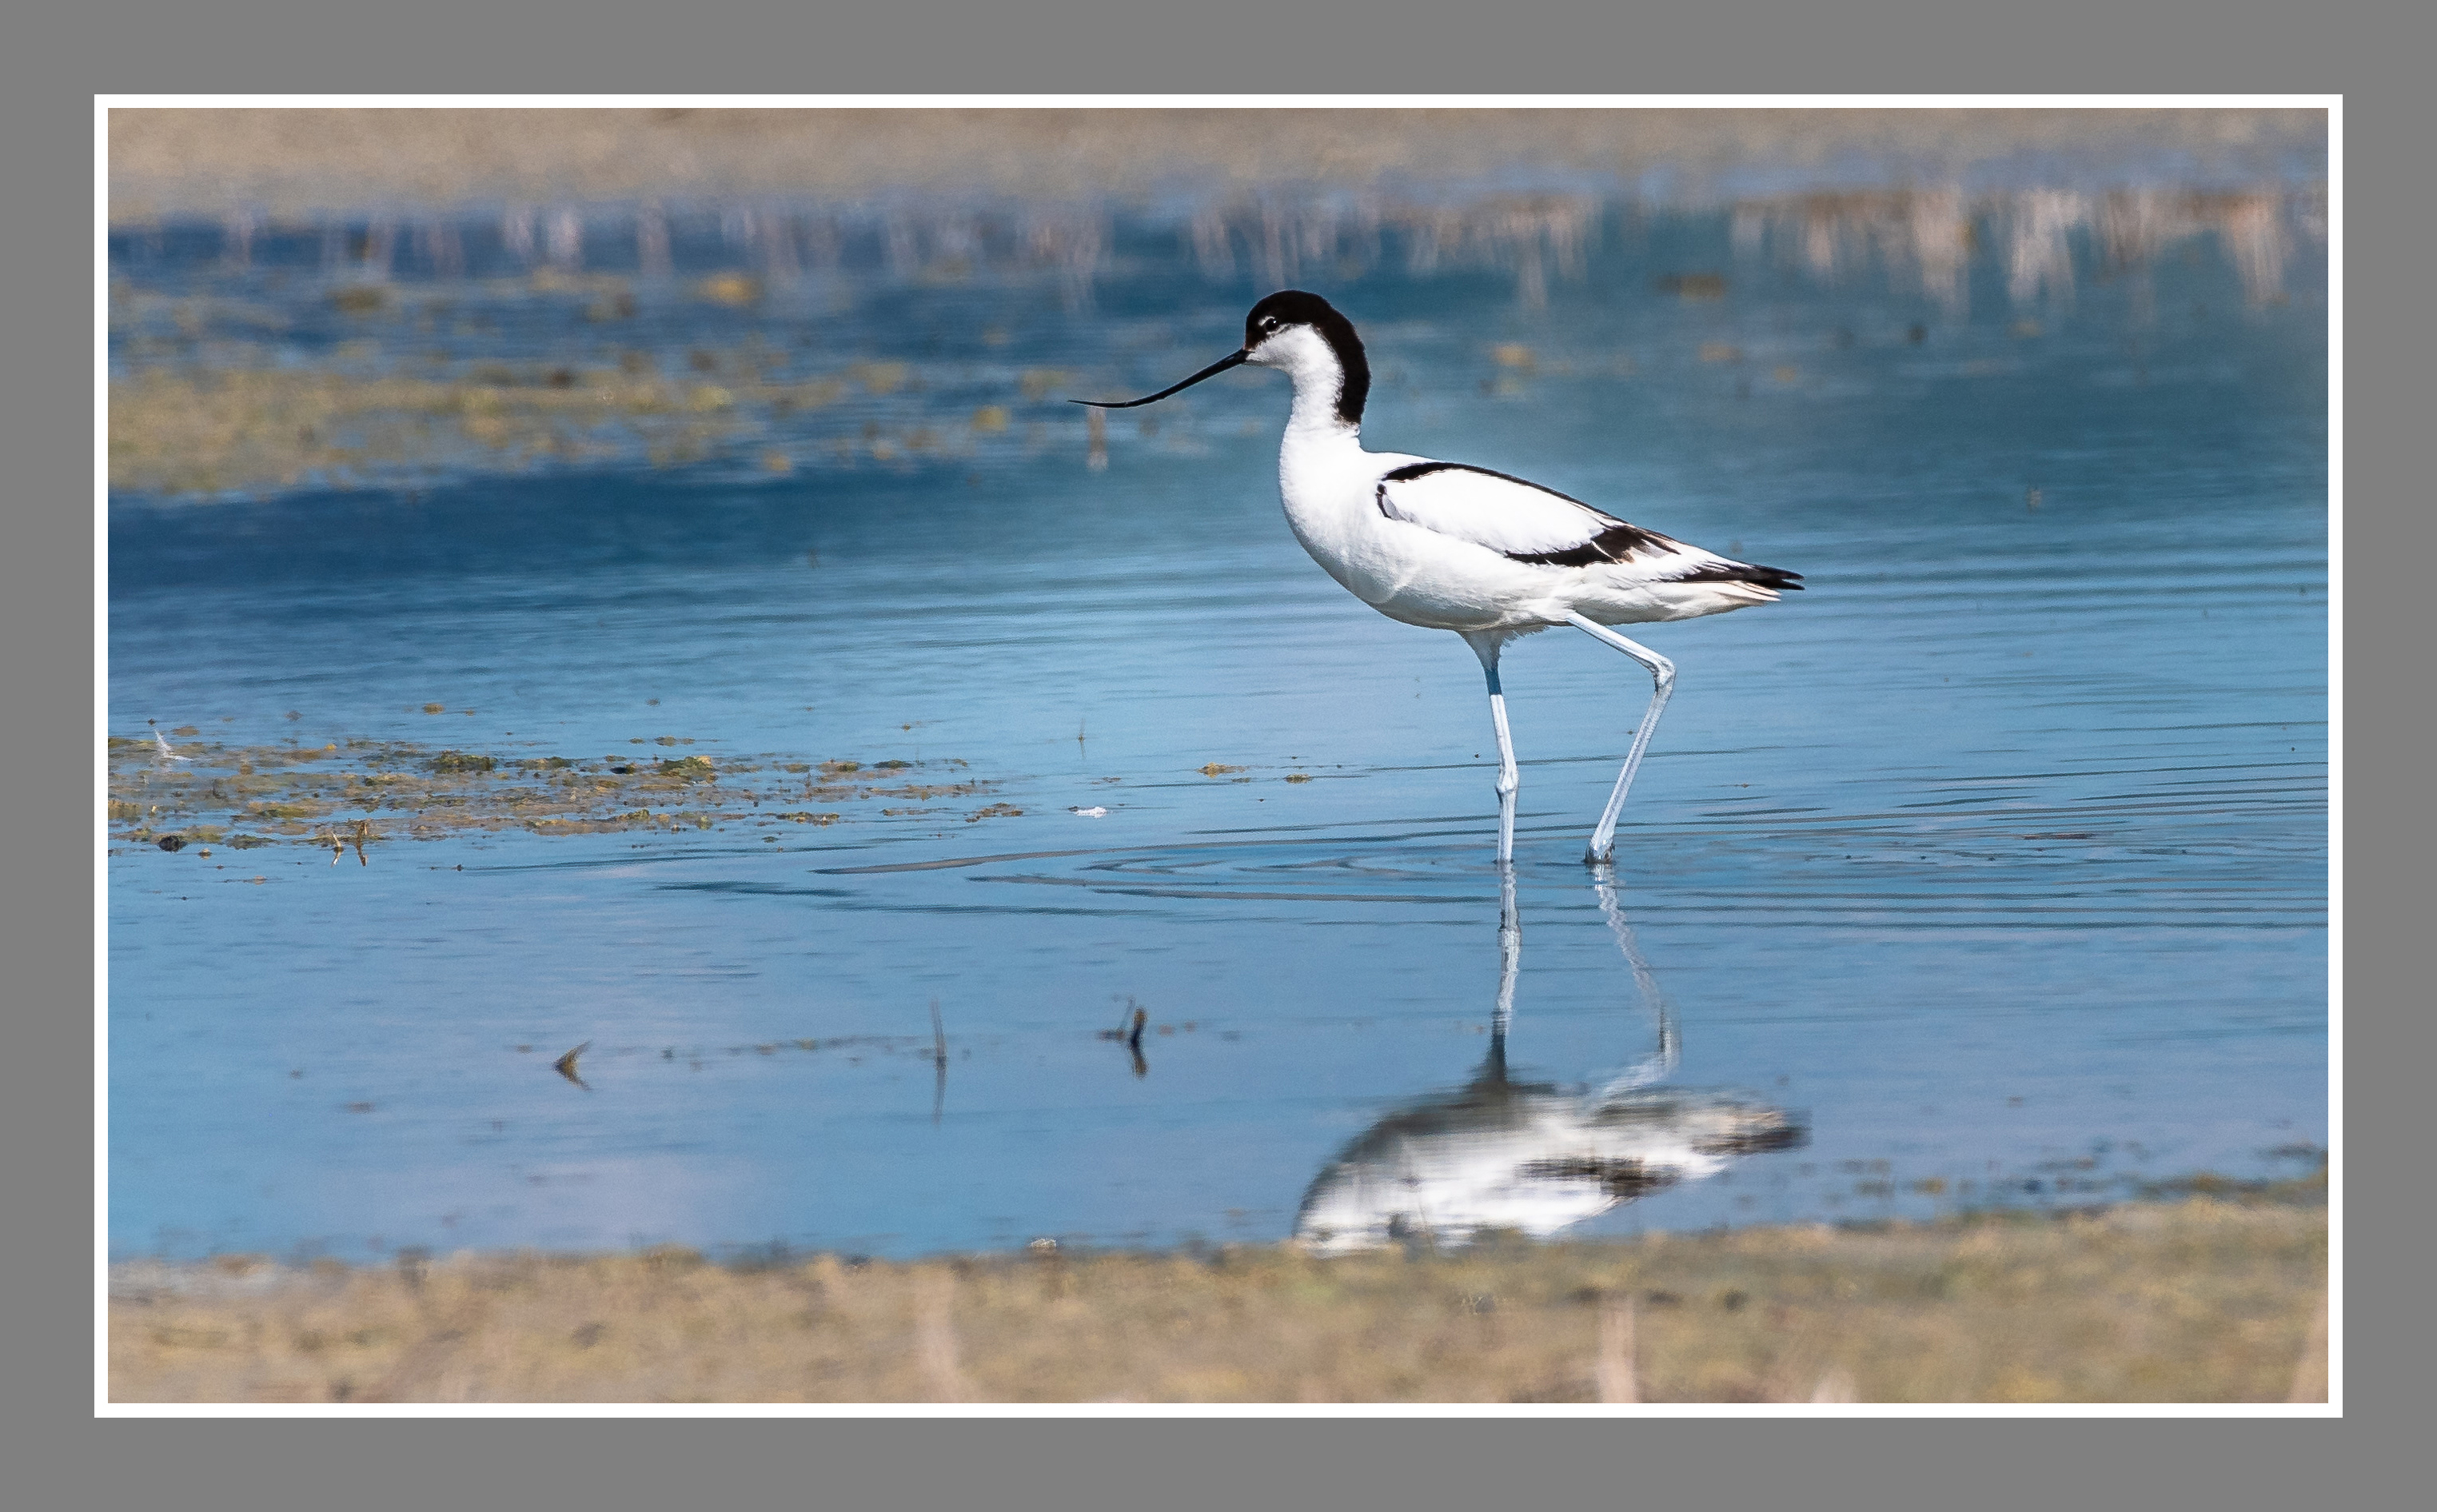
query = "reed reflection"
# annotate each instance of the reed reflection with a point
(1535, 1157)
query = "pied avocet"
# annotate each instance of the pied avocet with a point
(1460, 548)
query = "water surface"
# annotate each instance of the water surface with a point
(1995, 862)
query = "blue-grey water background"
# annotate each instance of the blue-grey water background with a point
(1998, 856)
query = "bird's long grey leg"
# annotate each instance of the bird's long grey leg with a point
(1662, 679)
(1486, 646)
(1662, 1060)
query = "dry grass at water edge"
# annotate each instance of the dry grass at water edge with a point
(2200, 1300)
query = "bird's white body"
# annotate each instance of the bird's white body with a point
(1451, 547)
(1434, 550)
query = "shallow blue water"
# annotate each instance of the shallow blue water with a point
(1998, 856)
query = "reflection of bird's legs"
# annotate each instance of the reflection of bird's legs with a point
(1510, 964)
(1661, 1061)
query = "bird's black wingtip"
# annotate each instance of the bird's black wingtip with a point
(1751, 572)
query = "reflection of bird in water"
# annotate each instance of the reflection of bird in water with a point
(1451, 547)
(1534, 1157)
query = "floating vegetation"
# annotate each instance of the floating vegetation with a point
(215, 430)
(214, 394)
(733, 289)
(365, 792)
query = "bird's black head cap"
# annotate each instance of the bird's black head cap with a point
(1293, 307)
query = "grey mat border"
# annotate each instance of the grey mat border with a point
(60, 58)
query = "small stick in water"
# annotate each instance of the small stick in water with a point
(564, 1066)
(938, 1062)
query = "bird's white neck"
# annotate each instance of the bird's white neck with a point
(1317, 419)
(1314, 420)
(1321, 467)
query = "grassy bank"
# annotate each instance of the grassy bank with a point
(2205, 1299)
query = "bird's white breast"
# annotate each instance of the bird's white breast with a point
(1329, 487)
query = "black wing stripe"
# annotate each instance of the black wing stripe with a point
(1619, 543)
(1777, 578)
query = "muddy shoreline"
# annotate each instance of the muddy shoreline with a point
(2210, 1298)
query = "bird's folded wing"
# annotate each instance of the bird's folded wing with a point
(1525, 521)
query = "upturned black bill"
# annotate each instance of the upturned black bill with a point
(1221, 365)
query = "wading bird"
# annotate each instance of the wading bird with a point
(1451, 547)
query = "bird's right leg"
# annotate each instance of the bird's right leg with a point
(1663, 682)
(1487, 648)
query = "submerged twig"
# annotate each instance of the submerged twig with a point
(939, 1063)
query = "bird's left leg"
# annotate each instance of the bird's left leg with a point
(1662, 678)
(1485, 645)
